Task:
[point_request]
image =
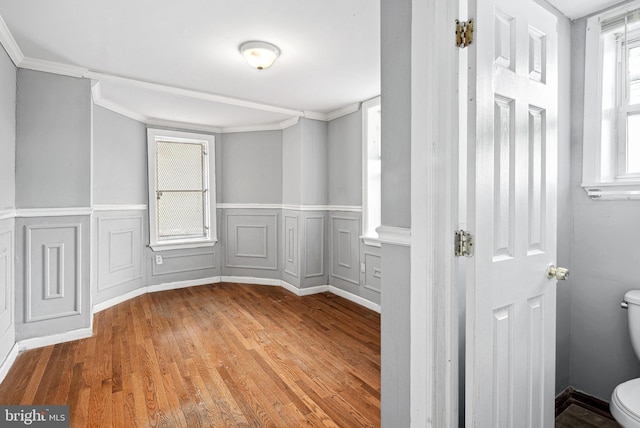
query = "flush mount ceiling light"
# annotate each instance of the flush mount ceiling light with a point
(259, 55)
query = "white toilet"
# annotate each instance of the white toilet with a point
(625, 400)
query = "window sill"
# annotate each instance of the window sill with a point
(613, 191)
(181, 245)
(371, 241)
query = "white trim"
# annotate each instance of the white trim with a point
(116, 207)
(277, 126)
(53, 212)
(54, 339)
(99, 307)
(304, 291)
(251, 280)
(182, 125)
(371, 241)
(314, 115)
(9, 43)
(191, 93)
(8, 361)
(613, 191)
(53, 67)
(224, 206)
(394, 235)
(355, 299)
(347, 208)
(343, 111)
(7, 214)
(183, 246)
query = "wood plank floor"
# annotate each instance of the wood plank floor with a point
(213, 356)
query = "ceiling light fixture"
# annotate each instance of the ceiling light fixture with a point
(259, 55)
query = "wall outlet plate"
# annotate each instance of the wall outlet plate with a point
(158, 259)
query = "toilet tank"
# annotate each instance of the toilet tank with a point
(632, 298)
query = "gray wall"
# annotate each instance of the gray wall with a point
(7, 201)
(251, 167)
(119, 159)
(345, 160)
(605, 263)
(7, 132)
(53, 159)
(304, 163)
(396, 210)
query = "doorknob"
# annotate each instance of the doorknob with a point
(559, 273)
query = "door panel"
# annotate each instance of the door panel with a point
(510, 337)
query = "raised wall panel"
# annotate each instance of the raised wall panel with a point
(184, 262)
(252, 241)
(537, 55)
(314, 246)
(535, 372)
(53, 271)
(45, 300)
(503, 367)
(345, 246)
(6, 282)
(373, 272)
(120, 241)
(291, 245)
(537, 185)
(505, 43)
(504, 179)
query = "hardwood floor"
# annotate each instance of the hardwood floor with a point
(213, 356)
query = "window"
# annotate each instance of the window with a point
(611, 156)
(371, 170)
(181, 189)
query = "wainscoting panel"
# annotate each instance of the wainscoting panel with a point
(291, 265)
(7, 326)
(184, 262)
(53, 259)
(52, 275)
(251, 241)
(345, 246)
(373, 272)
(314, 246)
(119, 246)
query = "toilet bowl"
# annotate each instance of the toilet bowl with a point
(625, 403)
(625, 400)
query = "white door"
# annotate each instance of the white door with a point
(512, 151)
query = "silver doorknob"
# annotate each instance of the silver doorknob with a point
(558, 273)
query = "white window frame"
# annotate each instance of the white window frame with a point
(369, 236)
(153, 137)
(604, 174)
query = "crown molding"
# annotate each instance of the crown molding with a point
(278, 126)
(314, 115)
(9, 43)
(52, 67)
(343, 111)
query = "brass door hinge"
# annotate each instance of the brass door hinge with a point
(463, 244)
(464, 33)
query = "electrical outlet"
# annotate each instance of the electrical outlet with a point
(158, 259)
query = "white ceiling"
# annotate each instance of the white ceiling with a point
(177, 62)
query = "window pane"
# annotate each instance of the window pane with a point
(180, 197)
(633, 144)
(180, 215)
(634, 75)
(179, 166)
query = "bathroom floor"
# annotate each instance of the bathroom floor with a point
(575, 416)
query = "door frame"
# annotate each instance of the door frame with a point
(434, 213)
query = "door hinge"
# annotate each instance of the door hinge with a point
(463, 244)
(464, 33)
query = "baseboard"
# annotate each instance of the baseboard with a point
(355, 299)
(571, 396)
(98, 307)
(54, 339)
(8, 361)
